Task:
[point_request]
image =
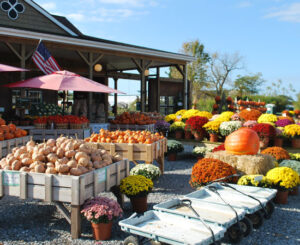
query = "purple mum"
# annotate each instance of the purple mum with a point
(283, 123)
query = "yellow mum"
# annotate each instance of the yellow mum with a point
(180, 112)
(189, 113)
(292, 130)
(266, 118)
(284, 177)
(225, 116)
(212, 126)
(177, 126)
(135, 185)
(206, 114)
(170, 117)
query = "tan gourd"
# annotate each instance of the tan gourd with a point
(51, 142)
(16, 165)
(52, 157)
(70, 153)
(75, 171)
(27, 161)
(64, 168)
(24, 169)
(60, 152)
(72, 163)
(51, 170)
(39, 168)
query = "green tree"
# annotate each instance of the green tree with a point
(247, 85)
(297, 103)
(196, 70)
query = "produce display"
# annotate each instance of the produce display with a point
(243, 104)
(128, 136)
(133, 118)
(62, 156)
(45, 109)
(62, 122)
(10, 131)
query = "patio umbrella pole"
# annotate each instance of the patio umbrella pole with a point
(64, 95)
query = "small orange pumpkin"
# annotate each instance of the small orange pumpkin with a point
(23, 132)
(12, 127)
(5, 128)
(244, 141)
(2, 121)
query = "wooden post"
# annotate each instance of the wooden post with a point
(185, 88)
(158, 88)
(91, 75)
(143, 87)
(116, 96)
(75, 221)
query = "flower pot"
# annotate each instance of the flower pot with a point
(264, 142)
(213, 137)
(199, 135)
(102, 231)
(188, 135)
(296, 143)
(178, 134)
(294, 192)
(281, 197)
(139, 204)
(172, 156)
(278, 142)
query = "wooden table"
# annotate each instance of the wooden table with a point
(60, 189)
(7, 145)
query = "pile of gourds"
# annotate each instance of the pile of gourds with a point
(10, 131)
(65, 156)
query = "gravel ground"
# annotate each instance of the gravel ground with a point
(34, 222)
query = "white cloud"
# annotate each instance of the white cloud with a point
(289, 13)
(245, 4)
(49, 6)
(76, 17)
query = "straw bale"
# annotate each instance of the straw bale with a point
(247, 164)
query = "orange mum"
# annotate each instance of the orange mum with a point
(277, 152)
(248, 115)
(209, 169)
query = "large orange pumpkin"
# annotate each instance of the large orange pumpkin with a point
(244, 141)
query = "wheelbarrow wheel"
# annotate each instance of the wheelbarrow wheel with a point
(257, 219)
(246, 226)
(270, 207)
(234, 234)
(131, 240)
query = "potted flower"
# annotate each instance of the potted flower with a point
(293, 132)
(278, 153)
(250, 123)
(278, 141)
(199, 152)
(255, 180)
(170, 118)
(188, 132)
(173, 147)
(196, 125)
(212, 128)
(162, 127)
(137, 188)
(295, 166)
(178, 128)
(227, 128)
(209, 169)
(267, 118)
(101, 211)
(283, 179)
(265, 132)
(150, 171)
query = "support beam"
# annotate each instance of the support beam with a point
(143, 87)
(180, 70)
(116, 96)
(158, 88)
(185, 88)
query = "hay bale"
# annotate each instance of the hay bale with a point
(247, 164)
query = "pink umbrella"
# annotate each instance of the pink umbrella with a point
(6, 68)
(64, 80)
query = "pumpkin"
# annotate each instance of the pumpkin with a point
(8, 136)
(12, 127)
(2, 121)
(244, 141)
(18, 133)
(23, 132)
(5, 128)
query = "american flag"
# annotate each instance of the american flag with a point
(44, 61)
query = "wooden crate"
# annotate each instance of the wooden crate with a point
(134, 127)
(7, 145)
(63, 188)
(139, 152)
(41, 134)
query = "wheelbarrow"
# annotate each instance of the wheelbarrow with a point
(166, 228)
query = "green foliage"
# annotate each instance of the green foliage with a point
(174, 146)
(277, 88)
(247, 85)
(205, 103)
(297, 103)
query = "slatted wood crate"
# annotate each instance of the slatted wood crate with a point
(63, 188)
(41, 134)
(139, 152)
(7, 145)
(134, 127)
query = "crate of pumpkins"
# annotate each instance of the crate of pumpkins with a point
(63, 170)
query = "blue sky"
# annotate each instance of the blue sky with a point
(265, 33)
